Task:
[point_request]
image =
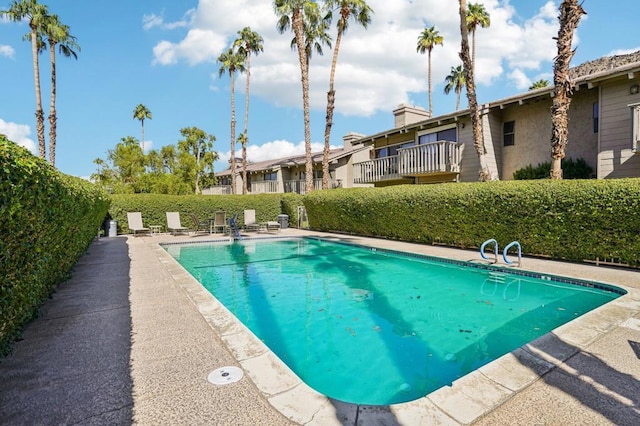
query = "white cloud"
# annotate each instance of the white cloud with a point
(148, 146)
(520, 79)
(7, 51)
(152, 20)
(378, 68)
(623, 51)
(18, 133)
(272, 150)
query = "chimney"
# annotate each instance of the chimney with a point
(407, 114)
(350, 138)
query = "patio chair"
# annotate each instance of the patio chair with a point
(173, 223)
(250, 223)
(199, 226)
(134, 220)
(220, 222)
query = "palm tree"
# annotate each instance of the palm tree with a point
(361, 13)
(242, 139)
(140, 113)
(476, 124)
(477, 15)
(35, 13)
(570, 13)
(248, 42)
(428, 39)
(57, 34)
(539, 84)
(232, 61)
(291, 15)
(455, 81)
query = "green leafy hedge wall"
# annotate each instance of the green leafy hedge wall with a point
(47, 221)
(573, 220)
(153, 207)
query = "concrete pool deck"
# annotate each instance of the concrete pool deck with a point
(131, 338)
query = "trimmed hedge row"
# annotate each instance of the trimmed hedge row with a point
(573, 220)
(154, 207)
(47, 221)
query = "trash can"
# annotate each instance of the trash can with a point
(113, 228)
(283, 220)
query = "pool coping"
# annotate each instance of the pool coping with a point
(465, 401)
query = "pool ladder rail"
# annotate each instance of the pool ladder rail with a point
(504, 252)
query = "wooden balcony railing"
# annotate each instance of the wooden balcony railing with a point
(300, 186)
(421, 160)
(264, 187)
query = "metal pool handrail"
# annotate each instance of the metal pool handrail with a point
(495, 249)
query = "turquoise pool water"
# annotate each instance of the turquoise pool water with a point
(377, 327)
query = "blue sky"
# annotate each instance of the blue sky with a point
(162, 53)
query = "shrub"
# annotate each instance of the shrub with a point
(572, 220)
(47, 221)
(578, 169)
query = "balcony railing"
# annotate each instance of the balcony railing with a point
(217, 190)
(431, 158)
(300, 186)
(264, 187)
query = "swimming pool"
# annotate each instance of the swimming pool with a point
(380, 327)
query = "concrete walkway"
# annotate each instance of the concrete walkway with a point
(131, 338)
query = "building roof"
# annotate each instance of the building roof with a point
(292, 161)
(589, 74)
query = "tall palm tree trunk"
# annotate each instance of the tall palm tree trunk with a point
(298, 29)
(476, 124)
(331, 99)
(429, 79)
(246, 126)
(570, 14)
(39, 112)
(233, 135)
(473, 50)
(52, 107)
(142, 125)
(458, 91)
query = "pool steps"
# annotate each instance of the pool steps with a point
(504, 252)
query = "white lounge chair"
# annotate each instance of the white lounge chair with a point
(173, 223)
(250, 223)
(220, 222)
(134, 220)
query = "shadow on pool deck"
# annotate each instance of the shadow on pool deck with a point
(72, 366)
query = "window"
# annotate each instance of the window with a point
(509, 133)
(271, 176)
(450, 135)
(596, 117)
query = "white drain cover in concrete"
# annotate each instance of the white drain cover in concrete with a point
(225, 375)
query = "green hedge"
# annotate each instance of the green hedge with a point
(573, 220)
(47, 221)
(154, 207)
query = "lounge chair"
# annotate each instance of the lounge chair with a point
(173, 223)
(250, 223)
(199, 226)
(220, 222)
(134, 220)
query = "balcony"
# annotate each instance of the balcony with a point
(217, 190)
(264, 187)
(300, 186)
(442, 157)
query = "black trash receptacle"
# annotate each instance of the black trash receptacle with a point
(283, 220)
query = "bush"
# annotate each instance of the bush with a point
(578, 169)
(572, 220)
(154, 207)
(47, 221)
